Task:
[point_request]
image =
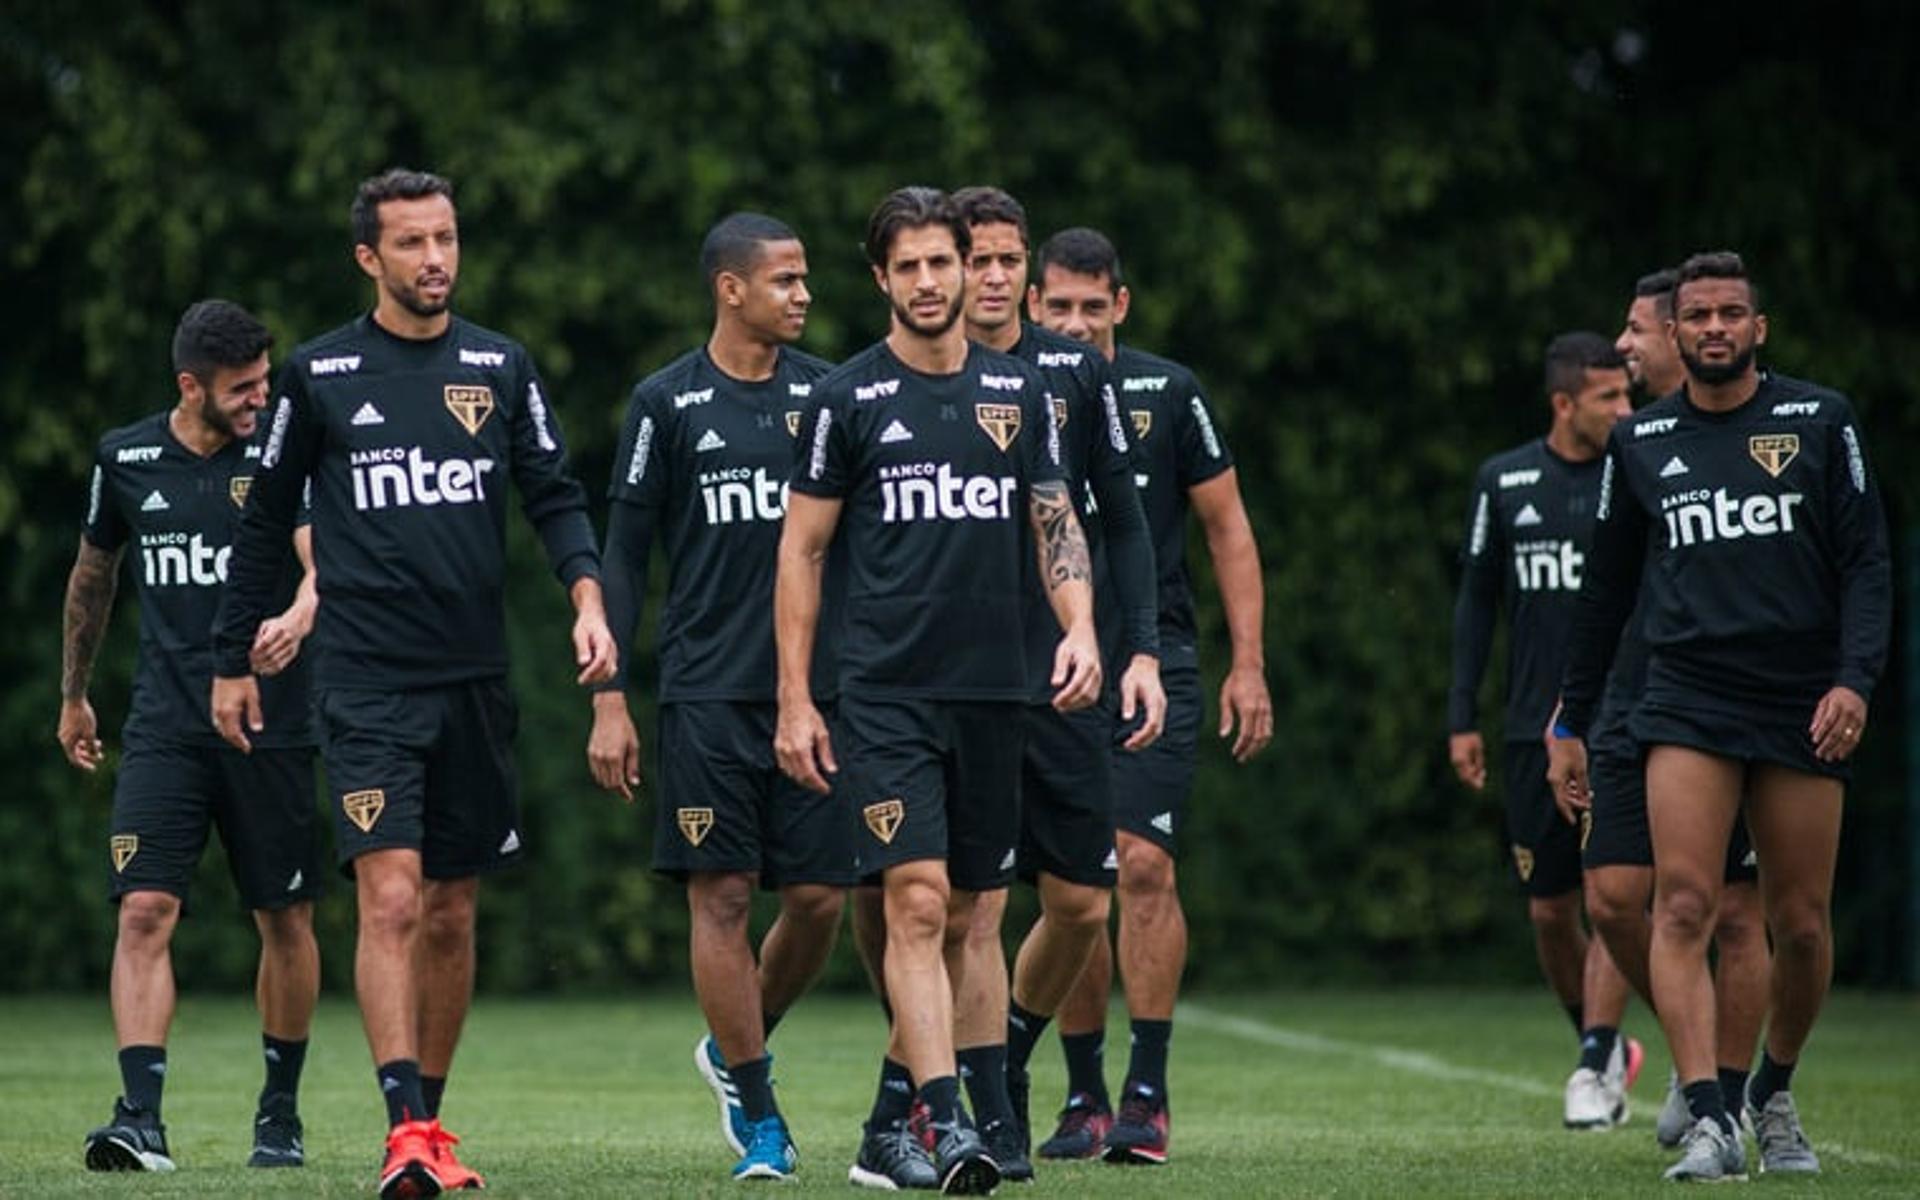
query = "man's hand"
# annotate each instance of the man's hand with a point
(236, 709)
(613, 748)
(594, 650)
(1469, 757)
(79, 734)
(1140, 691)
(803, 746)
(277, 643)
(1567, 776)
(1076, 669)
(1838, 721)
(1244, 702)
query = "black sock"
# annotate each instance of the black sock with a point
(1086, 1070)
(894, 1099)
(984, 1068)
(1147, 1066)
(1733, 1086)
(755, 1081)
(143, 1072)
(400, 1084)
(1023, 1030)
(1577, 1013)
(284, 1060)
(941, 1095)
(1704, 1100)
(1770, 1078)
(1596, 1047)
(769, 1021)
(433, 1088)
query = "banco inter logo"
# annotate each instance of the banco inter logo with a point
(392, 477)
(736, 494)
(1548, 565)
(180, 560)
(1702, 516)
(929, 492)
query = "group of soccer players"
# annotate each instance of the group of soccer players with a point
(927, 629)
(1699, 602)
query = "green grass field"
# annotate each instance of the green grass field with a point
(1291, 1094)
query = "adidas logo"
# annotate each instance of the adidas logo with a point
(709, 441)
(896, 432)
(1006, 864)
(1528, 516)
(512, 843)
(1674, 467)
(1112, 861)
(388, 1083)
(299, 877)
(1163, 822)
(368, 415)
(154, 502)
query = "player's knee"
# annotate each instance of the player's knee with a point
(1555, 916)
(1801, 924)
(1611, 907)
(722, 902)
(285, 928)
(390, 907)
(917, 913)
(1145, 870)
(983, 915)
(1684, 908)
(1075, 906)
(148, 916)
(813, 906)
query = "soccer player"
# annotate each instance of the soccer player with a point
(1181, 463)
(926, 452)
(1618, 851)
(1767, 614)
(1528, 527)
(707, 446)
(173, 484)
(410, 422)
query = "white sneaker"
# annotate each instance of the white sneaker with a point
(1783, 1144)
(1622, 1068)
(1588, 1104)
(1671, 1125)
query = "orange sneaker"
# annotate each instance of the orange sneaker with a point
(411, 1170)
(453, 1173)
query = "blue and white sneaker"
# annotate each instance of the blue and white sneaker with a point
(770, 1153)
(734, 1125)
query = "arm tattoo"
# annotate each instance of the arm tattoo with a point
(1063, 546)
(90, 588)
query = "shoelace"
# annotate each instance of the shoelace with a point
(1137, 1110)
(1779, 1132)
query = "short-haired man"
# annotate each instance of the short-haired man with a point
(173, 484)
(704, 457)
(1529, 524)
(1768, 611)
(1618, 851)
(926, 452)
(411, 422)
(1182, 463)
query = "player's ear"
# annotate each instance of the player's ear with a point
(1760, 329)
(368, 258)
(880, 278)
(1034, 307)
(1122, 301)
(731, 290)
(1562, 404)
(191, 390)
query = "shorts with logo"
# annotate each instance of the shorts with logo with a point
(1545, 847)
(725, 805)
(1618, 834)
(427, 769)
(934, 779)
(1066, 795)
(168, 795)
(1151, 786)
(1733, 735)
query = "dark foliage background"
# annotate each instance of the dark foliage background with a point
(1360, 222)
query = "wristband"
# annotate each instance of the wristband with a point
(1561, 732)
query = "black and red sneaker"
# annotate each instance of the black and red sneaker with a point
(1140, 1132)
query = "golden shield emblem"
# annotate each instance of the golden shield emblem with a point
(237, 489)
(1059, 413)
(695, 823)
(470, 404)
(364, 808)
(1773, 451)
(1142, 421)
(1523, 862)
(124, 846)
(1586, 828)
(884, 818)
(793, 423)
(1001, 421)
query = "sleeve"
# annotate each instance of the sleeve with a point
(553, 500)
(1199, 451)
(823, 453)
(1477, 605)
(259, 553)
(640, 464)
(105, 526)
(1128, 540)
(1607, 593)
(623, 576)
(1040, 457)
(1862, 559)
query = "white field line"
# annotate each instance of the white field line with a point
(1416, 1062)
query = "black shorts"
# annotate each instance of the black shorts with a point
(1066, 795)
(427, 769)
(725, 805)
(1731, 735)
(1545, 848)
(168, 796)
(1616, 832)
(934, 779)
(1151, 786)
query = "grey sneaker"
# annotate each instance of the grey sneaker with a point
(1671, 1125)
(1783, 1144)
(892, 1159)
(134, 1140)
(1709, 1154)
